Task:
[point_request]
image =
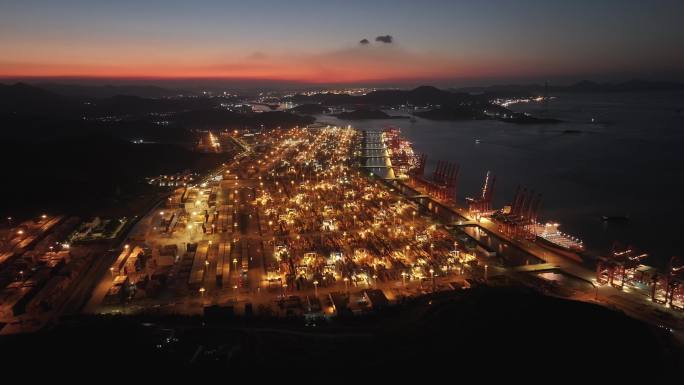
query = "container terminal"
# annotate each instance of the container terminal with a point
(316, 222)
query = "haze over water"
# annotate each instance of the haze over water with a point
(629, 161)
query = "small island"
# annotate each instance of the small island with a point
(452, 113)
(520, 118)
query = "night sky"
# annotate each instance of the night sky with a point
(320, 41)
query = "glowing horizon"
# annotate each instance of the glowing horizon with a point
(313, 42)
(346, 65)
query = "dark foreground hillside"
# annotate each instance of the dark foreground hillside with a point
(90, 171)
(483, 333)
(76, 155)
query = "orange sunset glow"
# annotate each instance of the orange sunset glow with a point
(353, 64)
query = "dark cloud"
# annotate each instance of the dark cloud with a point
(364, 42)
(387, 39)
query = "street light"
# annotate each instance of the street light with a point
(432, 277)
(315, 288)
(403, 278)
(596, 291)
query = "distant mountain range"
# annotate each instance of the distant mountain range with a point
(75, 101)
(421, 96)
(585, 86)
(107, 91)
(21, 98)
(29, 103)
(441, 104)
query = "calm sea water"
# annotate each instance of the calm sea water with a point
(629, 161)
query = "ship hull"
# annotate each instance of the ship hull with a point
(564, 251)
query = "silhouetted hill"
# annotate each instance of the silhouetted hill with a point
(445, 105)
(21, 98)
(30, 128)
(107, 91)
(585, 86)
(634, 85)
(326, 99)
(310, 109)
(76, 174)
(421, 96)
(363, 114)
(71, 156)
(442, 104)
(135, 105)
(637, 85)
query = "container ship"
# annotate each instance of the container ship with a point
(400, 152)
(548, 233)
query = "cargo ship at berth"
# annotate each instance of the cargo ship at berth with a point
(549, 235)
(400, 152)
